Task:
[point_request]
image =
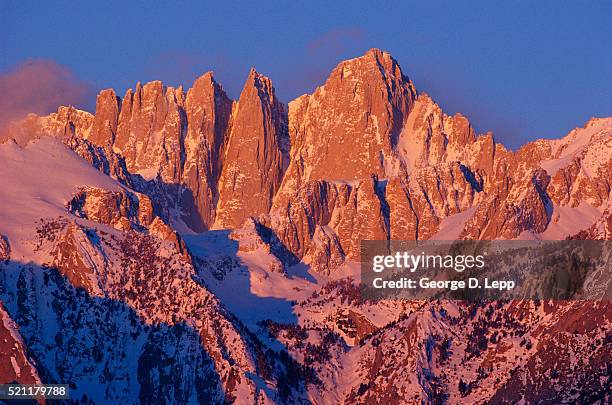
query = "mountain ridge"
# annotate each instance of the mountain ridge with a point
(222, 237)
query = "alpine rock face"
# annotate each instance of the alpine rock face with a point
(183, 247)
(253, 161)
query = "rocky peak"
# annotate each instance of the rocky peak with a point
(580, 165)
(219, 162)
(431, 137)
(208, 111)
(253, 161)
(349, 127)
(150, 128)
(260, 83)
(65, 124)
(106, 118)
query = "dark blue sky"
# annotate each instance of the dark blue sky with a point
(523, 69)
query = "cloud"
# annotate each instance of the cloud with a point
(40, 86)
(335, 42)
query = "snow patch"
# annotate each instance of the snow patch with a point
(37, 181)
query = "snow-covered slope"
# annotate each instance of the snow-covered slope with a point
(107, 306)
(37, 182)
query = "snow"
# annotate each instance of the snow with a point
(16, 367)
(597, 156)
(150, 173)
(451, 227)
(568, 221)
(576, 143)
(37, 181)
(553, 165)
(253, 292)
(409, 147)
(177, 223)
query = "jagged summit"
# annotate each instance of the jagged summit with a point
(262, 83)
(206, 77)
(372, 54)
(225, 161)
(383, 59)
(253, 165)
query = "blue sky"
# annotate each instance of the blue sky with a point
(523, 69)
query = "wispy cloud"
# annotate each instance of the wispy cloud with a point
(40, 86)
(335, 42)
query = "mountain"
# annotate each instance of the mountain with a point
(183, 247)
